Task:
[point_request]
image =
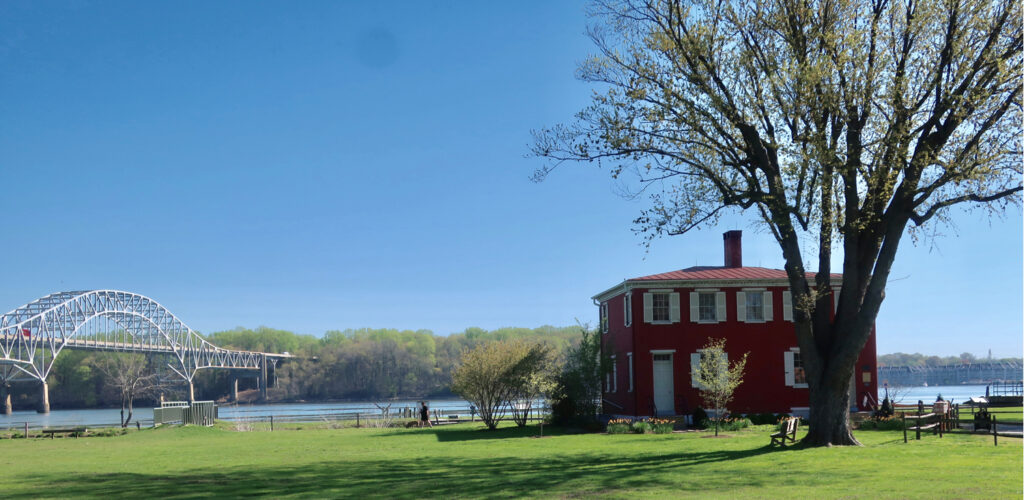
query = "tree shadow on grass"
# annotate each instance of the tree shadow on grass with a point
(480, 432)
(444, 477)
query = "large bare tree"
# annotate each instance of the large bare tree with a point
(836, 122)
(131, 376)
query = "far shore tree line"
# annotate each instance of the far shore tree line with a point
(363, 364)
(355, 364)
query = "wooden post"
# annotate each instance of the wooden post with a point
(357, 420)
(903, 418)
(918, 426)
(271, 423)
(995, 434)
(26, 430)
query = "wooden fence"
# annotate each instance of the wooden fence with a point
(942, 418)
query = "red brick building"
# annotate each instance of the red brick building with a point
(653, 328)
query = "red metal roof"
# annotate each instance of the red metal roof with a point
(703, 273)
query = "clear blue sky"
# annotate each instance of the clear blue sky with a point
(332, 165)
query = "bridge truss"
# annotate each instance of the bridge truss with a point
(33, 335)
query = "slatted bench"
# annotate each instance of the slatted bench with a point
(74, 431)
(788, 433)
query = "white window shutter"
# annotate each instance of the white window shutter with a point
(787, 305)
(694, 307)
(694, 368)
(627, 309)
(720, 304)
(768, 312)
(790, 377)
(648, 308)
(615, 376)
(741, 306)
(673, 307)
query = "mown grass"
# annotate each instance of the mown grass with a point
(465, 461)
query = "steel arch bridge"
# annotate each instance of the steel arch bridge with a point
(33, 335)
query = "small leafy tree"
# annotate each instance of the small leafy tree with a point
(716, 379)
(493, 374)
(577, 387)
(533, 385)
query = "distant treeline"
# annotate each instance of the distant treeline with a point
(918, 359)
(349, 364)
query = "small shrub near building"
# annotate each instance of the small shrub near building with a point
(882, 424)
(645, 426)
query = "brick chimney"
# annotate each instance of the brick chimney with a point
(733, 248)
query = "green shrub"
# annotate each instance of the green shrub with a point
(641, 427)
(882, 424)
(662, 427)
(700, 418)
(619, 426)
(734, 424)
(763, 418)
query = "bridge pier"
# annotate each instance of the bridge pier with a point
(44, 398)
(5, 398)
(263, 377)
(234, 388)
(191, 392)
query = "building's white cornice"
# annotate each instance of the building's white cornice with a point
(720, 283)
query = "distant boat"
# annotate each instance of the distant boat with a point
(925, 384)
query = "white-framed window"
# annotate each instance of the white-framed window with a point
(627, 308)
(629, 358)
(787, 305)
(695, 358)
(604, 317)
(753, 305)
(661, 307)
(615, 375)
(795, 374)
(707, 306)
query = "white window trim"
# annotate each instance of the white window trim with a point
(694, 359)
(615, 375)
(629, 356)
(663, 351)
(720, 306)
(766, 305)
(673, 306)
(627, 307)
(789, 364)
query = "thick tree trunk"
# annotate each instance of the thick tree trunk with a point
(830, 413)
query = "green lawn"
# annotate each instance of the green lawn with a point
(464, 461)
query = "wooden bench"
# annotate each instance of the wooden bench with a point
(789, 433)
(74, 431)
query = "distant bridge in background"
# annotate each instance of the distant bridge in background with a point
(33, 335)
(966, 373)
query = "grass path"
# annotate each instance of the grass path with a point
(464, 461)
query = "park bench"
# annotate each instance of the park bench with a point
(74, 431)
(787, 433)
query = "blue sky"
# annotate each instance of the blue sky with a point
(342, 165)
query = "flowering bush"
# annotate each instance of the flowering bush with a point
(645, 426)
(619, 426)
(734, 424)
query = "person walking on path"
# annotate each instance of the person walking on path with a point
(425, 414)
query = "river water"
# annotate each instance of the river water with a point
(312, 411)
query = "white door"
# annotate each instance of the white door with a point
(664, 392)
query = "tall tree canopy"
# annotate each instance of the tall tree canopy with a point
(844, 122)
